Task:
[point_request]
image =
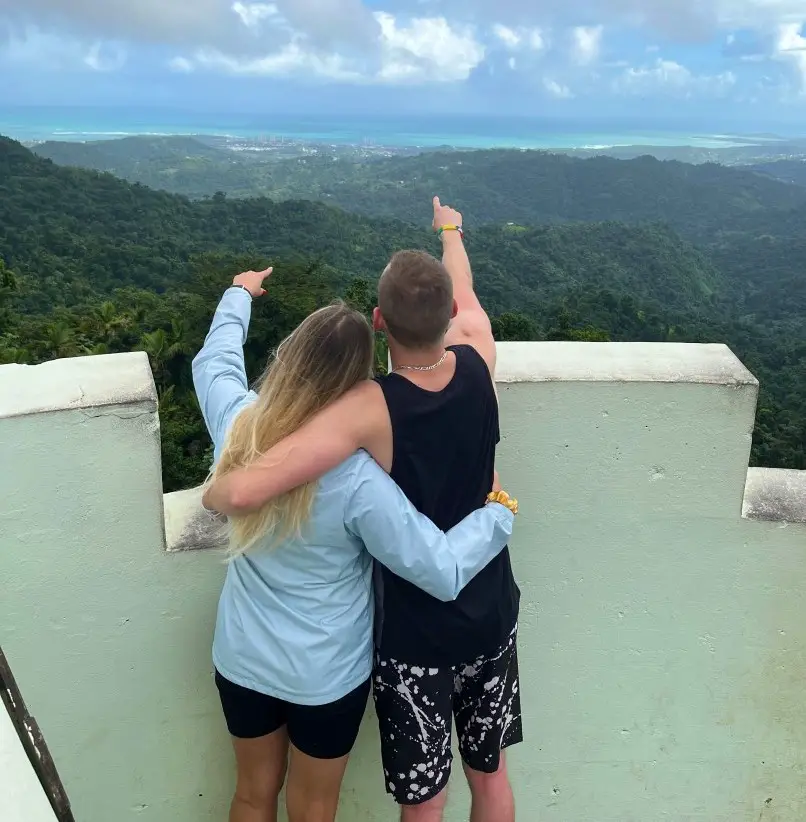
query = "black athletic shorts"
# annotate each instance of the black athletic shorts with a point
(416, 705)
(321, 731)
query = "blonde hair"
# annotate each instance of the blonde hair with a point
(329, 353)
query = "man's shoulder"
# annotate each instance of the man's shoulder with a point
(369, 397)
(471, 362)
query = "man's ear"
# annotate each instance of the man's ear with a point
(455, 309)
(377, 320)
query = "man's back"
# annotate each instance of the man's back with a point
(444, 457)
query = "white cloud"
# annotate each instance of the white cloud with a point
(537, 39)
(425, 49)
(509, 37)
(181, 64)
(104, 58)
(252, 14)
(407, 41)
(428, 48)
(671, 78)
(514, 39)
(790, 46)
(756, 13)
(587, 43)
(41, 50)
(558, 90)
(227, 25)
(291, 59)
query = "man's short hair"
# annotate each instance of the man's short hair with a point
(415, 298)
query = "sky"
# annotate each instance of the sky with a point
(741, 63)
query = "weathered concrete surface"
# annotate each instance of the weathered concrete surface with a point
(663, 635)
(108, 636)
(775, 495)
(119, 380)
(21, 796)
(620, 362)
(188, 527)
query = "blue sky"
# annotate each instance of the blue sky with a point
(737, 62)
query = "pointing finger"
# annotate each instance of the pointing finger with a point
(437, 203)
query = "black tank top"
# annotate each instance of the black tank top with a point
(443, 459)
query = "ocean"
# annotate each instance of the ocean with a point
(33, 124)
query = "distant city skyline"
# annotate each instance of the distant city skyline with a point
(697, 63)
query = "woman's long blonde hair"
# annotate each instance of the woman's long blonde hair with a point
(329, 353)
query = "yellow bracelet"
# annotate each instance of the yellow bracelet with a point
(442, 229)
(503, 498)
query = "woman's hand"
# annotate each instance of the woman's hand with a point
(252, 281)
(496, 482)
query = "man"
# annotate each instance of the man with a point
(433, 425)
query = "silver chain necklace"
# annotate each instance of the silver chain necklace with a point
(422, 367)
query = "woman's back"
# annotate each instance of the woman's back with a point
(295, 619)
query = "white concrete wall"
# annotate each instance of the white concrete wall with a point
(663, 634)
(22, 798)
(107, 635)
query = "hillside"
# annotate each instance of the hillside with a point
(81, 233)
(788, 171)
(90, 263)
(524, 187)
(126, 152)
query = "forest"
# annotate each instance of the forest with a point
(562, 248)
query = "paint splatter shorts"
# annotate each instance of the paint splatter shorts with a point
(415, 706)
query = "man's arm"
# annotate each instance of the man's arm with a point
(471, 325)
(357, 420)
(411, 546)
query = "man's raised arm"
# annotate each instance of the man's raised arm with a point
(471, 325)
(358, 420)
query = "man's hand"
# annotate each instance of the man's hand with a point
(445, 215)
(252, 281)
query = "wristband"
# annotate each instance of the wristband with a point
(503, 498)
(442, 229)
(238, 285)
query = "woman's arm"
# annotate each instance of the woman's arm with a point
(359, 419)
(411, 546)
(219, 374)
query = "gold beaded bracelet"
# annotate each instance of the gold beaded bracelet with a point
(503, 498)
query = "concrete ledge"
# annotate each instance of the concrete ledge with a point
(620, 362)
(75, 383)
(775, 495)
(188, 526)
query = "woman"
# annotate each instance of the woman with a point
(293, 641)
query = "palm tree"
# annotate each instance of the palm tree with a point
(155, 344)
(60, 341)
(105, 324)
(166, 401)
(13, 355)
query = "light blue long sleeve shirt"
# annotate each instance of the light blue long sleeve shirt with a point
(295, 620)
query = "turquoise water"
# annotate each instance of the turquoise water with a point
(36, 124)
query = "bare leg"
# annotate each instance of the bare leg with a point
(261, 770)
(430, 811)
(492, 795)
(312, 793)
